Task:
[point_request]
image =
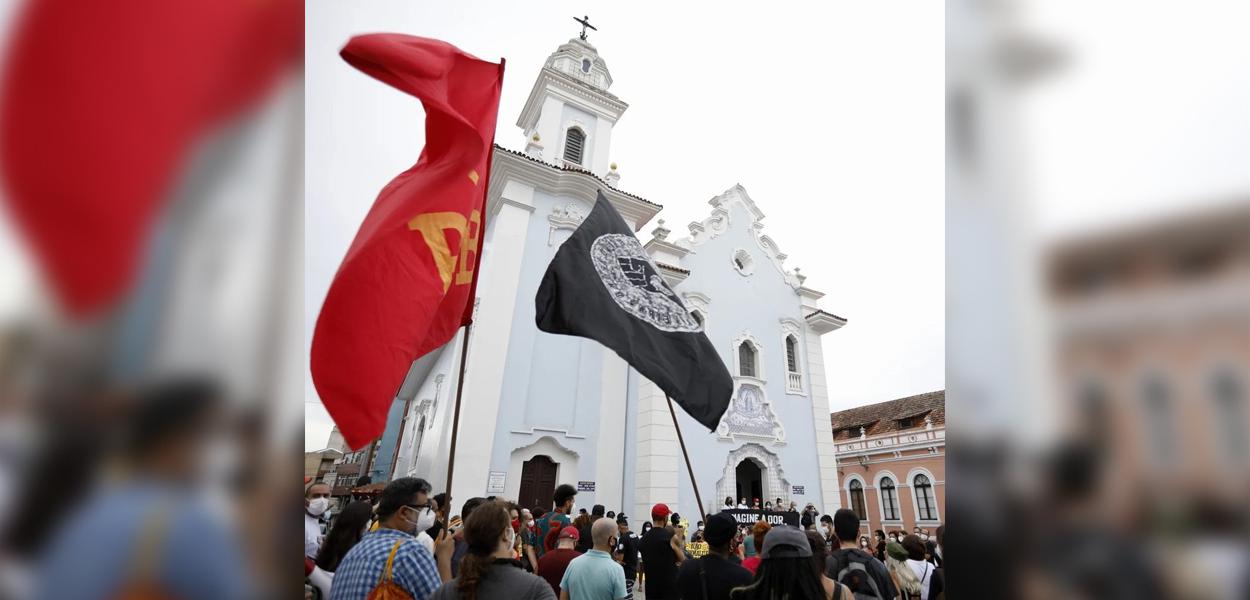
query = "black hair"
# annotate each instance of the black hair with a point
(827, 519)
(468, 507)
(169, 411)
(399, 493)
(845, 524)
(646, 527)
(563, 492)
(343, 535)
(789, 577)
(879, 534)
(729, 500)
(441, 499)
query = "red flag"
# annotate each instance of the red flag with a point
(407, 282)
(102, 103)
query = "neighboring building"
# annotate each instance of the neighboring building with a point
(892, 461)
(320, 462)
(336, 441)
(540, 409)
(1152, 350)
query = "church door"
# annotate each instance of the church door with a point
(538, 483)
(750, 481)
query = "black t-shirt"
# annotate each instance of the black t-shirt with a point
(660, 563)
(720, 575)
(627, 545)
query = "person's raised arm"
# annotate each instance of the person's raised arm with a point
(444, 547)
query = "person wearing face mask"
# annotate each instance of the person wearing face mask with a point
(490, 570)
(316, 503)
(826, 531)
(391, 556)
(594, 575)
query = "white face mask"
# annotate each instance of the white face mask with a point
(318, 506)
(425, 520)
(924, 536)
(511, 538)
(529, 523)
(893, 538)
(863, 544)
(824, 531)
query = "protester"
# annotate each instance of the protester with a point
(826, 531)
(742, 503)
(642, 572)
(752, 563)
(349, 527)
(755, 504)
(853, 567)
(462, 546)
(937, 584)
(553, 523)
(594, 575)
(916, 562)
(316, 503)
(714, 575)
(553, 563)
(768, 506)
(864, 544)
(794, 507)
(820, 554)
(879, 545)
(627, 553)
(905, 579)
(586, 542)
(785, 570)
(412, 568)
(490, 570)
(662, 553)
(809, 516)
(748, 542)
(729, 502)
(155, 520)
(529, 540)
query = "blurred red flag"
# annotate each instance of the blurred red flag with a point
(407, 282)
(103, 101)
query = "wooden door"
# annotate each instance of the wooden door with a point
(538, 483)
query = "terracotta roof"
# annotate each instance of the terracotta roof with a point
(885, 417)
(576, 170)
(672, 268)
(821, 312)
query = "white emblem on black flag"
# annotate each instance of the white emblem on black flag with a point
(636, 286)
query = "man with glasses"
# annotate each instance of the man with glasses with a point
(404, 510)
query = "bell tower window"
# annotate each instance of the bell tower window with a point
(574, 142)
(585, 65)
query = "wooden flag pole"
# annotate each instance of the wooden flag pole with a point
(689, 469)
(455, 424)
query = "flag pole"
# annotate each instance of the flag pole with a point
(455, 425)
(689, 469)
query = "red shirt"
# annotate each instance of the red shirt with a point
(751, 564)
(553, 564)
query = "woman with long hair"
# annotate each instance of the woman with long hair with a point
(905, 580)
(820, 551)
(348, 528)
(489, 569)
(785, 571)
(752, 560)
(879, 545)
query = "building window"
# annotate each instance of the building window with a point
(746, 360)
(792, 354)
(857, 499)
(743, 263)
(1157, 398)
(585, 65)
(924, 498)
(912, 421)
(1230, 413)
(574, 142)
(889, 499)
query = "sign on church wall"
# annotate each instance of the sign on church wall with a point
(585, 486)
(494, 482)
(797, 490)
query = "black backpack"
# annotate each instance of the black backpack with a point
(850, 568)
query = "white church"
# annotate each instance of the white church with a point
(539, 410)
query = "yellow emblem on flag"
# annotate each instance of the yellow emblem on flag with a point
(473, 176)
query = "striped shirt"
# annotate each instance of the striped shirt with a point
(414, 568)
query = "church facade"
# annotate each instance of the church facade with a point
(539, 410)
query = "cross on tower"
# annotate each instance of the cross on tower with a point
(585, 21)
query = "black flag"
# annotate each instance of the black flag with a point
(603, 286)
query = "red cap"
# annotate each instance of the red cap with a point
(570, 533)
(659, 511)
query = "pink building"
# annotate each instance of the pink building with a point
(892, 462)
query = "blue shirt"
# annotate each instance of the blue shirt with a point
(594, 576)
(192, 553)
(414, 568)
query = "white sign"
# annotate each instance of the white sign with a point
(494, 483)
(798, 490)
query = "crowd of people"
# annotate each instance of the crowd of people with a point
(407, 544)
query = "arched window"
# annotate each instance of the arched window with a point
(889, 499)
(857, 499)
(1157, 398)
(574, 141)
(746, 360)
(925, 505)
(698, 316)
(1230, 413)
(792, 354)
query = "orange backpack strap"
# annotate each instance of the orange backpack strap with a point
(390, 560)
(145, 563)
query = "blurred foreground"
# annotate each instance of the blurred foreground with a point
(150, 247)
(1098, 271)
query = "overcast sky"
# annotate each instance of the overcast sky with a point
(830, 116)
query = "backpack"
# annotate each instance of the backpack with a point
(387, 589)
(854, 575)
